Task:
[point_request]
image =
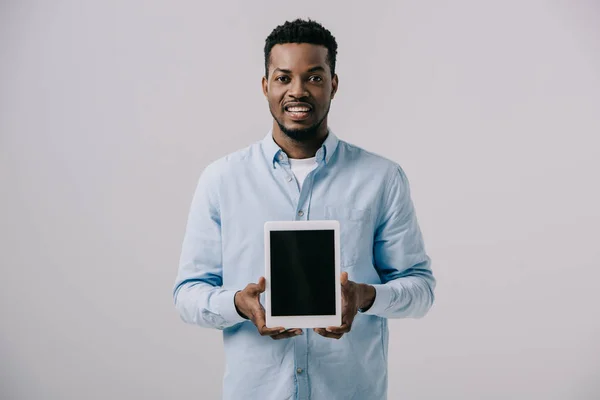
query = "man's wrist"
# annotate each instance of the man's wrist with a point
(366, 298)
(236, 307)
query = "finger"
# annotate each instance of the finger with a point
(262, 284)
(344, 328)
(344, 278)
(253, 289)
(287, 334)
(264, 331)
(256, 288)
(326, 334)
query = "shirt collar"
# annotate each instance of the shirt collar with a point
(275, 154)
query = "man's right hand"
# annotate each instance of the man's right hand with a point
(247, 302)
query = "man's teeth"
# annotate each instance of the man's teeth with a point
(298, 109)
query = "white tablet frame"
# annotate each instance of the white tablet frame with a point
(303, 321)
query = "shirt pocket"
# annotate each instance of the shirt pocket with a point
(353, 235)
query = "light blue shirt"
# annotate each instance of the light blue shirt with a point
(381, 244)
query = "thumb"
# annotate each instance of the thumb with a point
(344, 278)
(261, 284)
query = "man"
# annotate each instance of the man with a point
(302, 171)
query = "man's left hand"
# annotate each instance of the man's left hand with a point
(354, 296)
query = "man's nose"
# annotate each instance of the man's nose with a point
(298, 89)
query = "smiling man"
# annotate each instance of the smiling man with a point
(302, 171)
(299, 88)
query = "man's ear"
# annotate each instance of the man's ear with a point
(334, 85)
(265, 85)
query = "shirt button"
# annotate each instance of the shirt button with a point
(299, 370)
(280, 156)
(289, 179)
(300, 213)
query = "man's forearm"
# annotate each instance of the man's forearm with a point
(202, 304)
(405, 297)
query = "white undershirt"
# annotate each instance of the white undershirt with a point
(302, 167)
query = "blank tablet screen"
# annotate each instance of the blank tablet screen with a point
(302, 273)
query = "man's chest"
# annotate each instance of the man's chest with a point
(253, 200)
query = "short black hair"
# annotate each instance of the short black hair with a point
(301, 31)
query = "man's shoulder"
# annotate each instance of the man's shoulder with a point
(368, 159)
(242, 155)
(234, 160)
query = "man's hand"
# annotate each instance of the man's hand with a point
(354, 296)
(247, 303)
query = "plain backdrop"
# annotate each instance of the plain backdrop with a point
(109, 111)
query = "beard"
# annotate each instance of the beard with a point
(302, 135)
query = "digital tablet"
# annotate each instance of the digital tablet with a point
(302, 272)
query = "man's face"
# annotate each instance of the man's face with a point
(299, 89)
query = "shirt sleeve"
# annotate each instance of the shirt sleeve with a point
(198, 293)
(407, 288)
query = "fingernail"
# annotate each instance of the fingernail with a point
(282, 330)
(328, 330)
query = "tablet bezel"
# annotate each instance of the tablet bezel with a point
(303, 321)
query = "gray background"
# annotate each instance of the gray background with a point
(110, 110)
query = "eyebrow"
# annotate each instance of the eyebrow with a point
(287, 71)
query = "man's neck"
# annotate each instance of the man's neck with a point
(299, 150)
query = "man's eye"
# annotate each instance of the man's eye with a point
(282, 78)
(315, 78)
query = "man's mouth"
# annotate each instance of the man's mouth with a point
(298, 111)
